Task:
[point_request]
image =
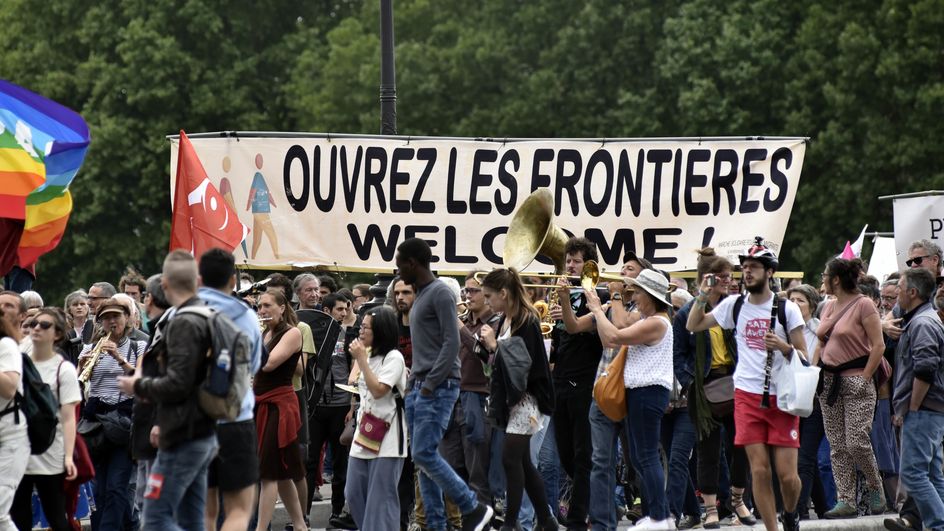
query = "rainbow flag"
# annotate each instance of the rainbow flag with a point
(42, 146)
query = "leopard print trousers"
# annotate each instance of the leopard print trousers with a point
(847, 424)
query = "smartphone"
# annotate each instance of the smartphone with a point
(712, 280)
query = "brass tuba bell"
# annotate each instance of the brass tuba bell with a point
(532, 232)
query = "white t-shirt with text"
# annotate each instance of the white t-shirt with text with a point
(749, 332)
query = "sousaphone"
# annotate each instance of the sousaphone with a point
(532, 232)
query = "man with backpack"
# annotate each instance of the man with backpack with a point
(175, 495)
(767, 334)
(235, 470)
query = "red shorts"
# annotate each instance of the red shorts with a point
(753, 425)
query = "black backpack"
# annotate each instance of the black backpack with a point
(39, 406)
(228, 373)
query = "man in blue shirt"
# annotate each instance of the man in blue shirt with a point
(235, 470)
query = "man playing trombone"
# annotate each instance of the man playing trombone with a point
(603, 431)
(574, 357)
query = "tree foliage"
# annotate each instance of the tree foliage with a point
(862, 79)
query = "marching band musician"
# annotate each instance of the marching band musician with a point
(575, 356)
(107, 405)
(603, 431)
(760, 430)
(473, 387)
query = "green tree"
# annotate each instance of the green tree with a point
(862, 79)
(140, 70)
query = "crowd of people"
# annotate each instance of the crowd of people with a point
(466, 406)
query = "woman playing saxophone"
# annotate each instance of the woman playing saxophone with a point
(113, 466)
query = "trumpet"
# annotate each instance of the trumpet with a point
(95, 354)
(262, 322)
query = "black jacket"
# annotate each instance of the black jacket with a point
(144, 413)
(503, 393)
(182, 366)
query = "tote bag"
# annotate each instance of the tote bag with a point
(796, 386)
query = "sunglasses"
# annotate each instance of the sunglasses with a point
(44, 325)
(916, 260)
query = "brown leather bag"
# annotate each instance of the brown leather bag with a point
(609, 392)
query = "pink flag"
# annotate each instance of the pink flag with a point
(848, 253)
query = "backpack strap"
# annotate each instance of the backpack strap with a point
(58, 370)
(782, 318)
(17, 398)
(14, 408)
(133, 349)
(736, 311)
(398, 398)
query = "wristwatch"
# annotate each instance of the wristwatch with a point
(616, 297)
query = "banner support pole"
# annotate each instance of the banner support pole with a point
(388, 76)
(388, 123)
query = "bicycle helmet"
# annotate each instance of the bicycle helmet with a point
(761, 253)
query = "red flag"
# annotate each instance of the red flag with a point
(202, 220)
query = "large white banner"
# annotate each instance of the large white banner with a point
(917, 218)
(347, 202)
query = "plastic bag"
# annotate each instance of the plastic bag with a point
(796, 386)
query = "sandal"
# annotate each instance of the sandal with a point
(737, 503)
(711, 518)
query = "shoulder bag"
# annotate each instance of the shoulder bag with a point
(609, 391)
(720, 395)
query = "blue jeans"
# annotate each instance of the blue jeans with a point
(645, 407)
(678, 438)
(112, 499)
(604, 434)
(496, 474)
(826, 473)
(179, 501)
(549, 467)
(427, 418)
(921, 462)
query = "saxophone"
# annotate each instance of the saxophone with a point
(95, 354)
(544, 310)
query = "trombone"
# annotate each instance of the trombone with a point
(589, 277)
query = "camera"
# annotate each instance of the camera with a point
(254, 289)
(712, 280)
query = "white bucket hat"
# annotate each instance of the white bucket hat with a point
(653, 282)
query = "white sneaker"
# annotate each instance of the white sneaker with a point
(648, 524)
(668, 524)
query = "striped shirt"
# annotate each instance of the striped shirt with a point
(104, 382)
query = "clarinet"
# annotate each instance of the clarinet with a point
(768, 366)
